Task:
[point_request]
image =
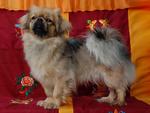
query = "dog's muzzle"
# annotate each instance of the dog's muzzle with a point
(39, 28)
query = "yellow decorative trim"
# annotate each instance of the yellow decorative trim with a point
(74, 5)
(68, 108)
(65, 16)
(139, 28)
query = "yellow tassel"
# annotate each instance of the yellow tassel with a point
(115, 111)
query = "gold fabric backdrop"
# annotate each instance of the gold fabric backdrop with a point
(74, 5)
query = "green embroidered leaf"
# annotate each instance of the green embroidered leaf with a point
(27, 93)
(88, 21)
(23, 87)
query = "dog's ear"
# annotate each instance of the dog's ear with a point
(62, 25)
(24, 22)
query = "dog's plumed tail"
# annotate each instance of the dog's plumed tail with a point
(106, 45)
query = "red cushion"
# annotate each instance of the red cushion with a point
(12, 63)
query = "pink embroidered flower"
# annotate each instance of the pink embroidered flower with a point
(27, 81)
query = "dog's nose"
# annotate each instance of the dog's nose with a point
(39, 27)
(39, 23)
(40, 20)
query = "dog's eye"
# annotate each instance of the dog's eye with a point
(49, 20)
(33, 18)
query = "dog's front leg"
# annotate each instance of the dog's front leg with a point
(62, 88)
(49, 93)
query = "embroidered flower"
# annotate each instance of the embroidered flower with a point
(104, 22)
(27, 81)
(91, 24)
(18, 30)
(25, 84)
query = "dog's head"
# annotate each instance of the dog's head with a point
(44, 22)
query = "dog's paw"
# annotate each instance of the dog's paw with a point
(106, 100)
(40, 103)
(112, 102)
(49, 103)
(120, 103)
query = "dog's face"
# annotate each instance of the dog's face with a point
(44, 22)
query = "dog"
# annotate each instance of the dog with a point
(60, 65)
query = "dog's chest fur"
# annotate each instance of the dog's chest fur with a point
(42, 56)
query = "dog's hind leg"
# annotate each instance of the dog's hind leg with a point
(121, 93)
(110, 98)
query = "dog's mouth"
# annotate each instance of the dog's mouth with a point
(39, 28)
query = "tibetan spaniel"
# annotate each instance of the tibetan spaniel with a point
(61, 64)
